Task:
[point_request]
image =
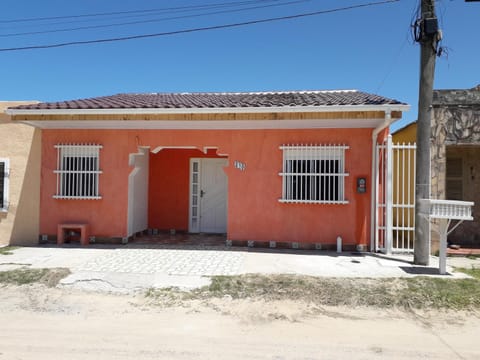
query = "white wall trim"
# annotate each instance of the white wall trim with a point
(272, 109)
(205, 149)
(207, 124)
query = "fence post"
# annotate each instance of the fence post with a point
(376, 189)
(389, 197)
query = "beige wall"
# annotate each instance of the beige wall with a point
(404, 182)
(21, 144)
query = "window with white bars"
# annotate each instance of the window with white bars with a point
(78, 170)
(313, 174)
(4, 172)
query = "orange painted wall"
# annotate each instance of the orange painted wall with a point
(254, 212)
(169, 187)
(108, 216)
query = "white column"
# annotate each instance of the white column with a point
(389, 197)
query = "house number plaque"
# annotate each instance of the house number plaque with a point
(239, 165)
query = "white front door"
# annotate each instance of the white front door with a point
(208, 195)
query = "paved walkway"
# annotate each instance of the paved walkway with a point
(167, 261)
(133, 267)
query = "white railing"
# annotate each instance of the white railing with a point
(445, 211)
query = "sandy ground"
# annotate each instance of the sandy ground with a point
(37, 322)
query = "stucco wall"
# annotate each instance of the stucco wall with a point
(19, 225)
(254, 212)
(169, 187)
(138, 192)
(456, 126)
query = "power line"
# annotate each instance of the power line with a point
(144, 13)
(185, 31)
(152, 20)
(393, 63)
(167, 9)
(130, 14)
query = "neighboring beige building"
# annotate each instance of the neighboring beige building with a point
(19, 180)
(455, 155)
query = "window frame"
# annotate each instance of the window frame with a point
(313, 174)
(77, 177)
(5, 188)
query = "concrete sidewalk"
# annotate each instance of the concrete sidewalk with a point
(134, 267)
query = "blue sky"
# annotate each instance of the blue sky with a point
(369, 49)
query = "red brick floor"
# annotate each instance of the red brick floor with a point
(165, 238)
(463, 252)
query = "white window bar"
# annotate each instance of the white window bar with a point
(403, 201)
(195, 203)
(313, 174)
(408, 196)
(78, 170)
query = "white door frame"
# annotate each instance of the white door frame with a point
(195, 203)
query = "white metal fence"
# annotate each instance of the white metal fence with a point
(395, 197)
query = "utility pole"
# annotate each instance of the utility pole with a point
(428, 35)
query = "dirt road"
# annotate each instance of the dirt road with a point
(37, 322)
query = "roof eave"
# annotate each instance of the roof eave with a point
(279, 109)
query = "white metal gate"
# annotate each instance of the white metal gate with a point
(395, 197)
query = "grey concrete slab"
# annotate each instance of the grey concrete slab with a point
(129, 268)
(464, 262)
(332, 264)
(108, 281)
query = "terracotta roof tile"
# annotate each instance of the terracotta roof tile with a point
(218, 100)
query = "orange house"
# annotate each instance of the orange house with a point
(281, 167)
